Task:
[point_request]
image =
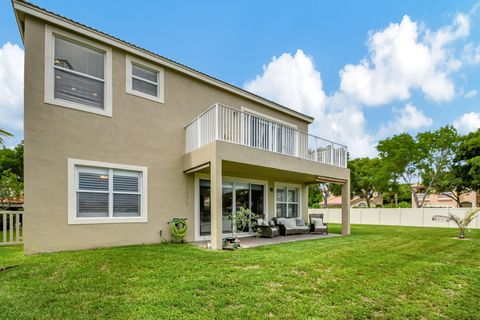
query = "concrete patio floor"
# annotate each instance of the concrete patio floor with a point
(251, 242)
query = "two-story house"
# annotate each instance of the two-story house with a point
(119, 140)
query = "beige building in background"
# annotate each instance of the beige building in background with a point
(119, 140)
(443, 200)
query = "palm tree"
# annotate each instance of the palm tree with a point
(4, 134)
(462, 223)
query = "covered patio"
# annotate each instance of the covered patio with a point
(219, 161)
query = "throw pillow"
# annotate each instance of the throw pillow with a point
(300, 222)
(318, 222)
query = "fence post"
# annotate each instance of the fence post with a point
(4, 215)
(11, 227)
(423, 217)
(17, 225)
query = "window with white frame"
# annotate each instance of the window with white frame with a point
(77, 73)
(104, 193)
(287, 200)
(144, 79)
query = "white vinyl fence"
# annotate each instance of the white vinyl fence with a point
(11, 231)
(420, 217)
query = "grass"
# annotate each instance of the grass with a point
(378, 272)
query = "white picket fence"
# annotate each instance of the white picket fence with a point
(420, 217)
(11, 227)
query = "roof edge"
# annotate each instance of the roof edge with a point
(27, 8)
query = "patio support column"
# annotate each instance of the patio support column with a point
(216, 203)
(346, 208)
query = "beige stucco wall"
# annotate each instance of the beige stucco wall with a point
(141, 132)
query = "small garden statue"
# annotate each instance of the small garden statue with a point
(462, 223)
(178, 227)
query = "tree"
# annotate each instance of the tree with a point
(12, 159)
(462, 223)
(423, 158)
(452, 184)
(4, 134)
(437, 150)
(367, 177)
(400, 154)
(328, 189)
(467, 160)
(315, 196)
(464, 173)
(11, 187)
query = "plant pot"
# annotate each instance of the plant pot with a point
(230, 239)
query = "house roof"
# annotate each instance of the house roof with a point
(22, 8)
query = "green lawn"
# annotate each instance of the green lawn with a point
(377, 272)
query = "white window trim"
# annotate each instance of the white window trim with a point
(72, 194)
(206, 176)
(288, 185)
(49, 95)
(128, 81)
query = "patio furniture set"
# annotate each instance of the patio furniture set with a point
(287, 226)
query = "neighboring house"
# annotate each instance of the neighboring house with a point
(119, 140)
(442, 200)
(11, 204)
(355, 202)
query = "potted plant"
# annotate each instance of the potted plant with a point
(178, 227)
(239, 219)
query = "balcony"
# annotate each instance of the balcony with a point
(224, 123)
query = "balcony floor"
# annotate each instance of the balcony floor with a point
(252, 242)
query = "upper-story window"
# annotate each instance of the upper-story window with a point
(77, 73)
(144, 79)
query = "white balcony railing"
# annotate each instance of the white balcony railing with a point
(224, 123)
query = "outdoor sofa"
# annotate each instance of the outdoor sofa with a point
(289, 226)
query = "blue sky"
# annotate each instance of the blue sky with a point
(313, 42)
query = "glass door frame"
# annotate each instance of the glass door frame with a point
(205, 176)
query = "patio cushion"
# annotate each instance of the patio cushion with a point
(271, 223)
(290, 223)
(318, 222)
(261, 222)
(281, 221)
(300, 222)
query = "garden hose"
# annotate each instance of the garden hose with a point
(178, 233)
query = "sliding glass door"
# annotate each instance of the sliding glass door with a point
(234, 195)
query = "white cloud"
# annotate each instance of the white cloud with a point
(402, 57)
(405, 56)
(11, 87)
(470, 94)
(406, 119)
(471, 53)
(291, 80)
(468, 122)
